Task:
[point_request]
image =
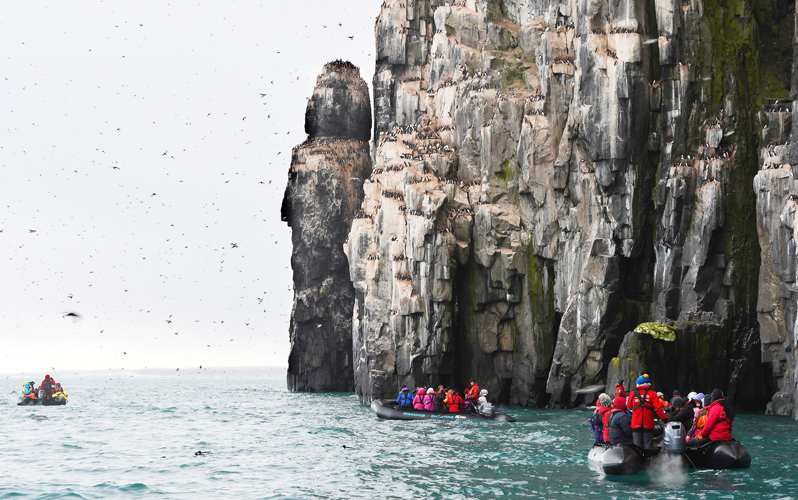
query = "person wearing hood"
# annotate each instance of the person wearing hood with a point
(620, 427)
(699, 405)
(46, 389)
(686, 414)
(405, 398)
(645, 405)
(429, 399)
(29, 390)
(676, 394)
(700, 419)
(720, 418)
(418, 401)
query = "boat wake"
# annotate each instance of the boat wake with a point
(668, 469)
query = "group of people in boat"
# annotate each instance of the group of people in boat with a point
(631, 418)
(448, 399)
(48, 389)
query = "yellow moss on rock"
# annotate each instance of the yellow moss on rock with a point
(658, 331)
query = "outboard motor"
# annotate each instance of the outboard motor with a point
(673, 438)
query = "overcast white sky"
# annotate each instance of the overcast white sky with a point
(170, 93)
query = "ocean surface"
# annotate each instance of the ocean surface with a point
(136, 438)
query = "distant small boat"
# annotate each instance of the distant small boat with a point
(56, 401)
(390, 410)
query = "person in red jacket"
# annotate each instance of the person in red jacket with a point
(718, 426)
(456, 402)
(605, 408)
(620, 392)
(472, 393)
(644, 404)
(47, 386)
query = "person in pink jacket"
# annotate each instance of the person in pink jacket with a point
(418, 401)
(429, 399)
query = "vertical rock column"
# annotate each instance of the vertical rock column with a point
(323, 196)
(776, 189)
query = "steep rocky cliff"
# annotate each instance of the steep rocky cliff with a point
(323, 196)
(549, 174)
(776, 190)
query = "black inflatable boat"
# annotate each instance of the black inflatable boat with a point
(390, 410)
(627, 459)
(58, 401)
(719, 455)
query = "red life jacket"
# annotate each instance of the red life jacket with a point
(605, 424)
(644, 406)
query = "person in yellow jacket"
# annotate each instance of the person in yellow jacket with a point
(59, 392)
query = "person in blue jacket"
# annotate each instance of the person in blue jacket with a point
(405, 397)
(620, 423)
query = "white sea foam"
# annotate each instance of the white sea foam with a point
(668, 468)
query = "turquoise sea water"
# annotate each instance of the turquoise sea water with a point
(136, 438)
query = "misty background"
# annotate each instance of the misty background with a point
(144, 152)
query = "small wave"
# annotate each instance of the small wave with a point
(134, 487)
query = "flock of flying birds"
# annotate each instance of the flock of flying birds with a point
(272, 93)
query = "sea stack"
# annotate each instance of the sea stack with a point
(323, 196)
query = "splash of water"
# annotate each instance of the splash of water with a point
(669, 468)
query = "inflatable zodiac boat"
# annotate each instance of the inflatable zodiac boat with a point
(627, 459)
(390, 410)
(55, 401)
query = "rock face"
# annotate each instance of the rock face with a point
(548, 174)
(777, 193)
(323, 196)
